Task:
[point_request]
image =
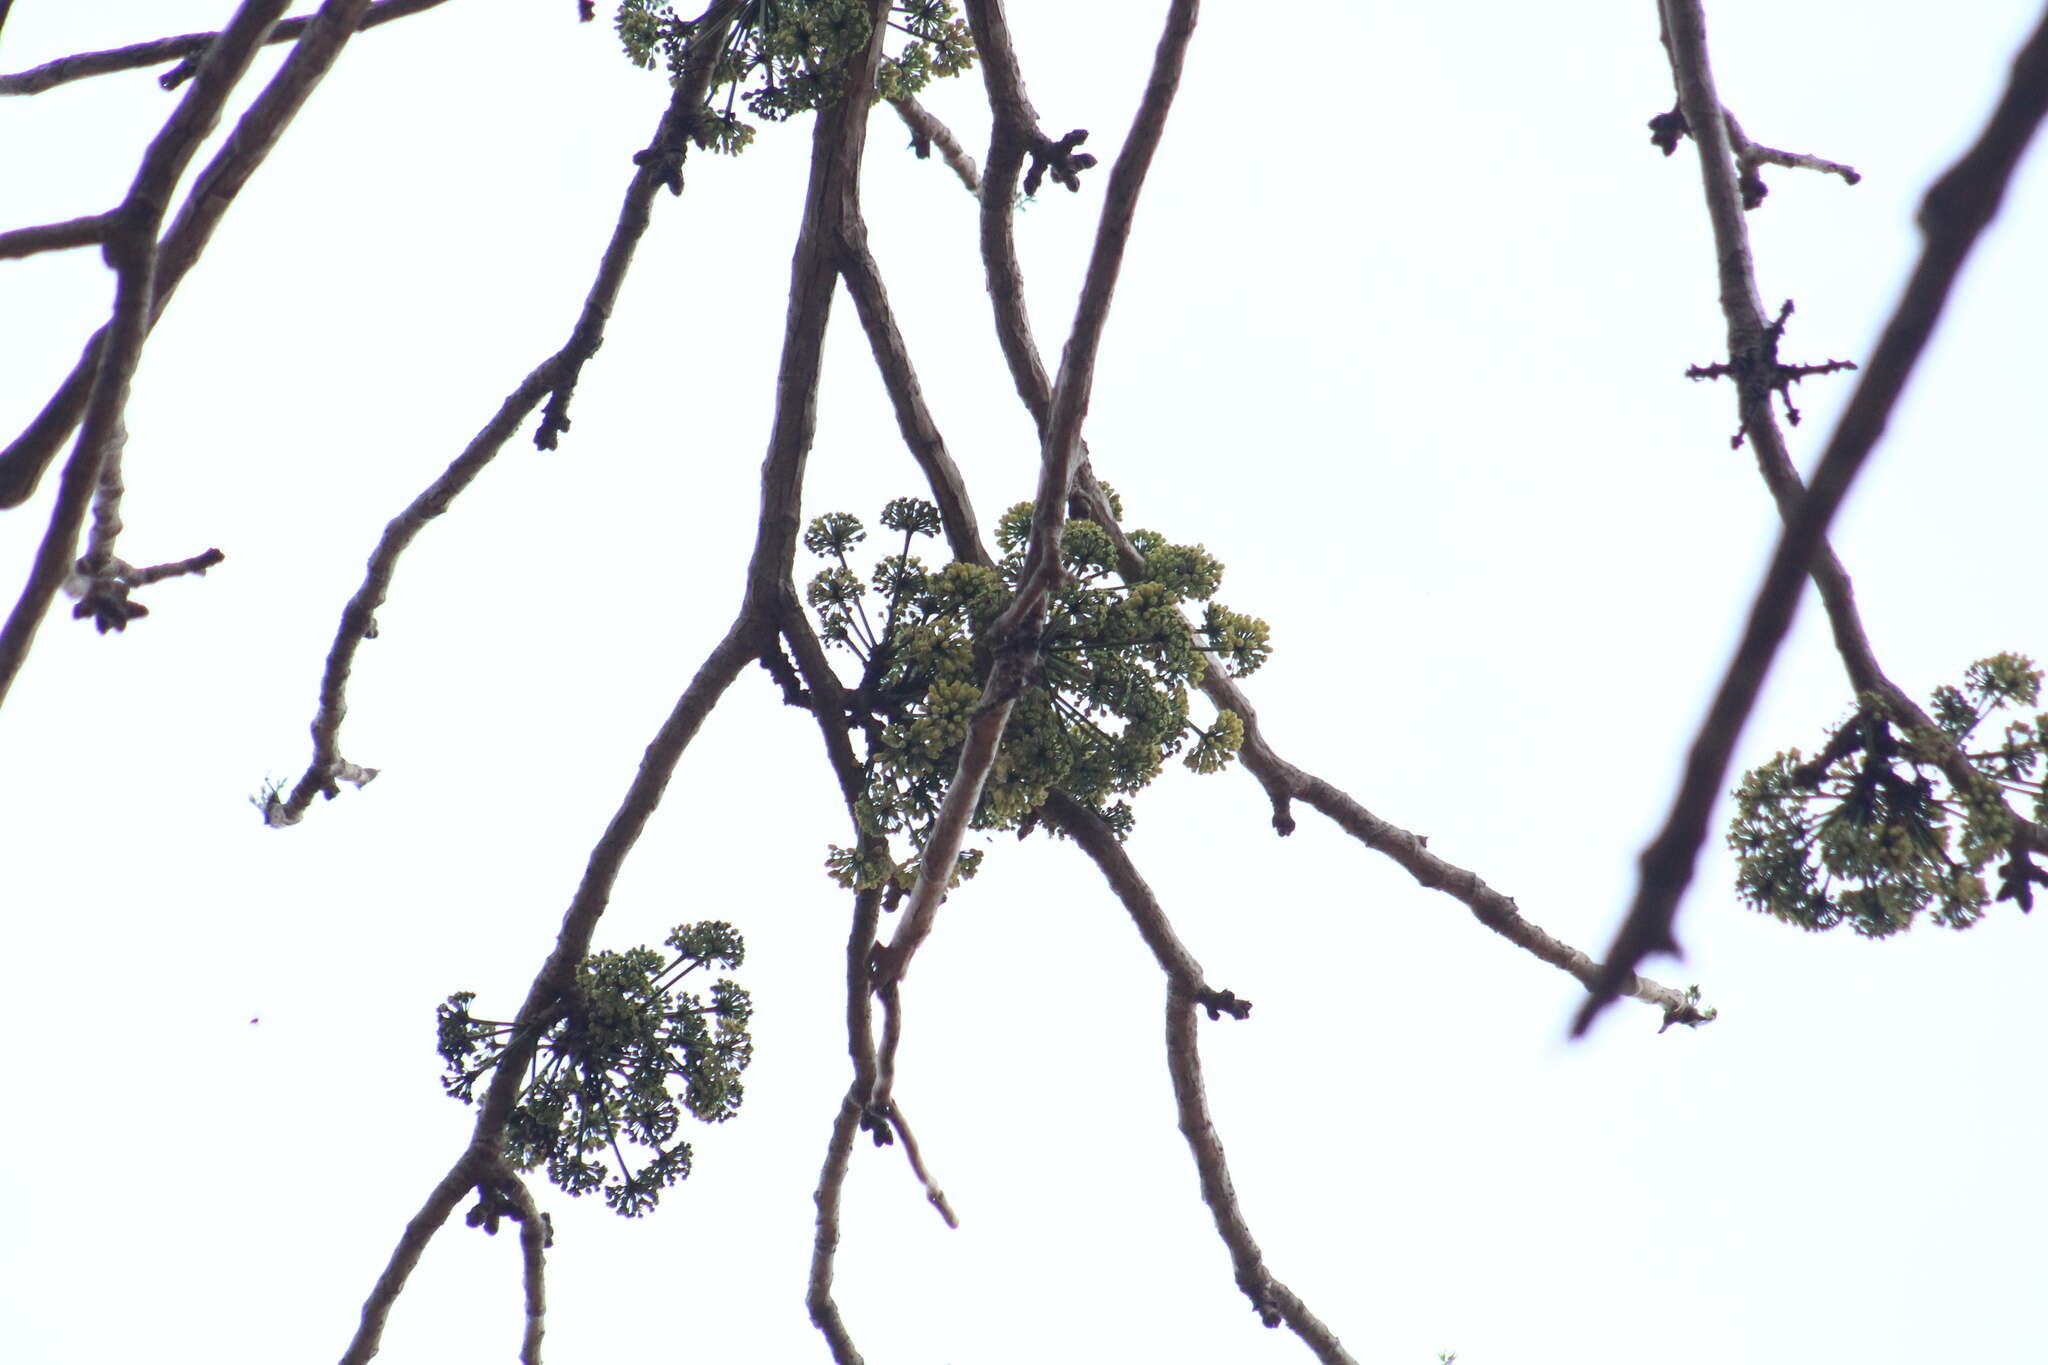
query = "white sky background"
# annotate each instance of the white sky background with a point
(1401, 338)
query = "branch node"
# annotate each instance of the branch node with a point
(1668, 127)
(1219, 1003)
(1758, 375)
(102, 591)
(1060, 159)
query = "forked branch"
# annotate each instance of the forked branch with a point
(1015, 633)
(483, 1155)
(24, 461)
(1957, 209)
(1273, 1301)
(1282, 780)
(554, 379)
(188, 46)
(131, 248)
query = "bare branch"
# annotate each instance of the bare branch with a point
(1015, 632)
(1751, 155)
(72, 232)
(825, 1242)
(920, 433)
(536, 1235)
(932, 1191)
(190, 46)
(23, 462)
(860, 943)
(831, 203)
(660, 164)
(103, 596)
(1957, 209)
(156, 573)
(1095, 839)
(1285, 783)
(359, 618)
(555, 376)
(412, 1244)
(927, 131)
(1273, 1301)
(131, 250)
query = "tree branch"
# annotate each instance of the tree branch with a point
(536, 1235)
(932, 1192)
(556, 378)
(1015, 633)
(1273, 1301)
(825, 1242)
(190, 46)
(1957, 209)
(926, 132)
(920, 433)
(860, 943)
(72, 232)
(660, 164)
(131, 249)
(23, 462)
(328, 769)
(412, 1244)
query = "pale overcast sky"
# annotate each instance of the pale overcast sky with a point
(1401, 339)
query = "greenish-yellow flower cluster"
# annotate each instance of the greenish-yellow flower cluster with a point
(787, 57)
(1110, 704)
(1871, 831)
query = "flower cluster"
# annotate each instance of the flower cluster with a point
(619, 1058)
(786, 57)
(1111, 700)
(1871, 831)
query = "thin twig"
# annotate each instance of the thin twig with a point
(131, 250)
(660, 165)
(156, 573)
(327, 768)
(1015, 632)
(554, 378)
(1186, 990)
(932, 1191)
(72, 232)
(873, 1068)
(1095, 838)
(1749, 156)
(860, 943)
(536, 1235)
(190, 46)
(920, 433)
(1957, 209)
(103, 595)
(927, 132)
(1273, 1301)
